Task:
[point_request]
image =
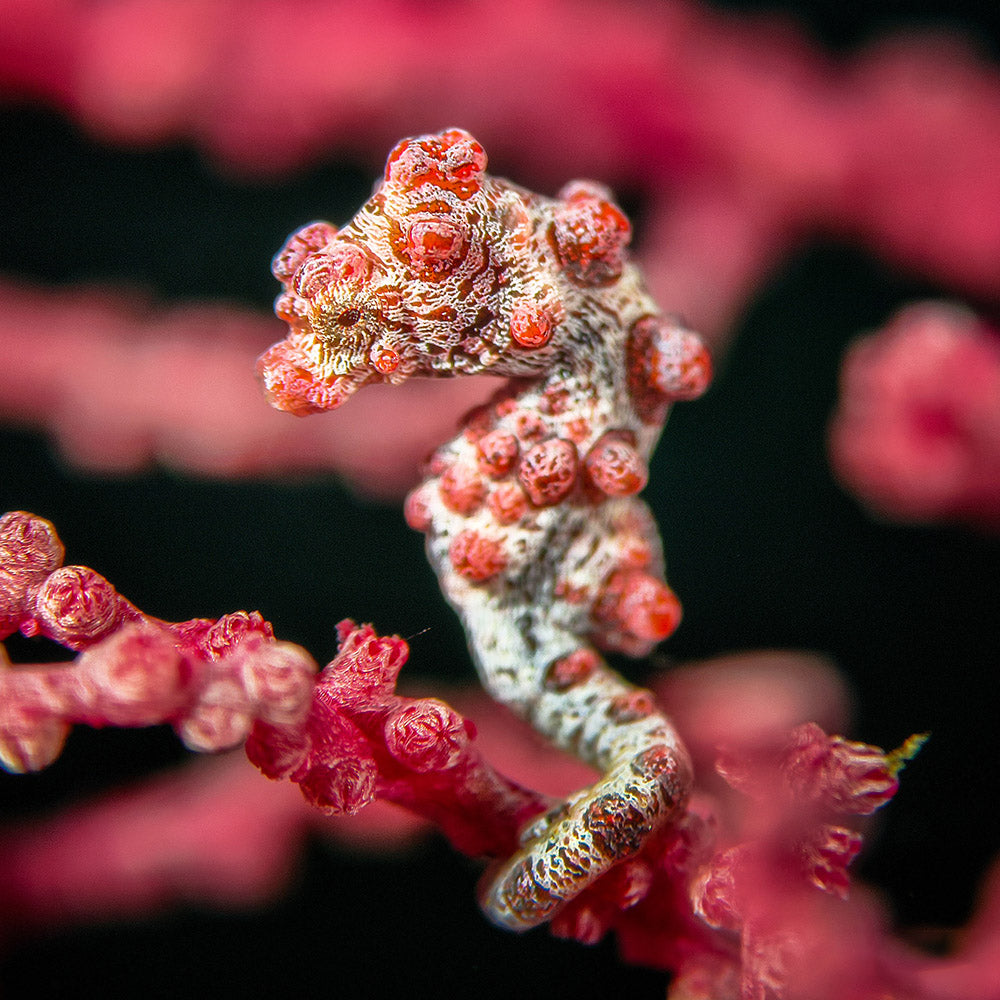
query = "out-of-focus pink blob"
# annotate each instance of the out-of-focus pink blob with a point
(917, 433)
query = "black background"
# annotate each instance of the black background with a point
(763, 547)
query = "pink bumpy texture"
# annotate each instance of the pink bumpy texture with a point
(210, 679)
(530, 513)
(344, 735)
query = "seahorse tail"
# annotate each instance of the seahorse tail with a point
(646, 783)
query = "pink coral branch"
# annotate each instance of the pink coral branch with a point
(137, 850)
(187, 837)
(361, 740)
(209, 679)
(342, 739)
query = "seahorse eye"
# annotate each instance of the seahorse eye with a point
(349, 317)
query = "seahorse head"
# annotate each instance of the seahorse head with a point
(402, 289)
(443, 271)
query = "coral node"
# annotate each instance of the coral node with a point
(426, 735)
(76, 604)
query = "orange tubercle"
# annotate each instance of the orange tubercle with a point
(614, 466)
(498, 452)
(639, 604)
(385, 360)
(462, 488)
(530, 325)
(548, 471)
(507, 503)
(476, 557)
(571, 670)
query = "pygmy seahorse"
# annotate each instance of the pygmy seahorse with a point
(531, 516)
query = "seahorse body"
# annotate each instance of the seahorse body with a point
(530, 514)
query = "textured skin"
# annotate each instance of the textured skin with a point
(531, 515)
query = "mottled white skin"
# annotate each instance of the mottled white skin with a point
(518, 626)
(537, 606)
